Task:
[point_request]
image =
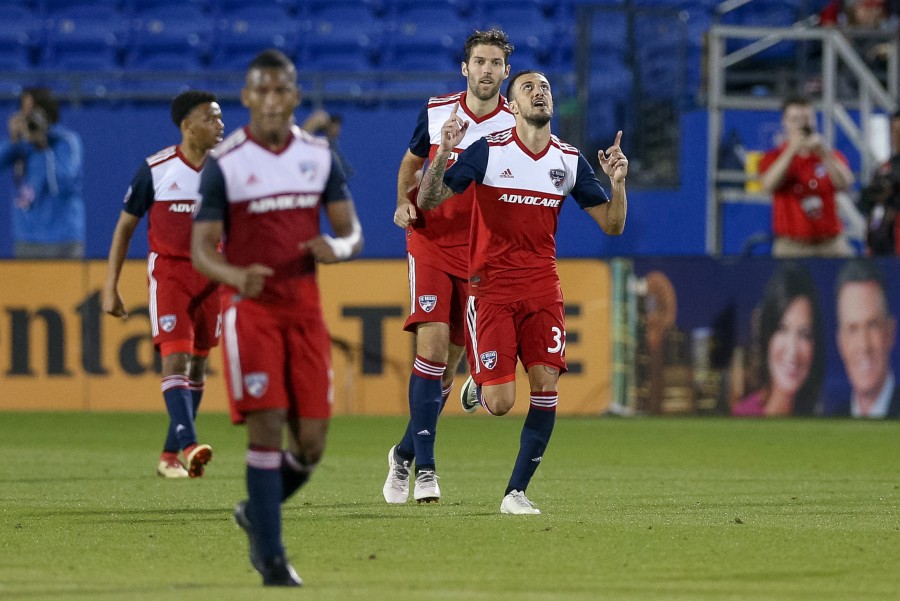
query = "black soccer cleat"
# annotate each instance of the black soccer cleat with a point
(277, 571)
(243, 521)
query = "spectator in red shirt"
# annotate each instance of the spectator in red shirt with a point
(803, 174)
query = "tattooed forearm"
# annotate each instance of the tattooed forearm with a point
(433, 190)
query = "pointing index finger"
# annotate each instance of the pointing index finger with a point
(453, 111)
(618, 138)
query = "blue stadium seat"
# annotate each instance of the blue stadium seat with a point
(526, 26)
(242, 36)
(83, 31)
(414, 92)
(20, 35)
(169, 31)
(339, 32)
(232, 9)
(51, 8)
(428, 31)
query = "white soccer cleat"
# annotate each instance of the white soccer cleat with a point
(468, 396)
(516, 503)
(427, 489)
(171, 469)
(396, 486)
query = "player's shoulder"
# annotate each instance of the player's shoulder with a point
(499, 138)
(232, 142)
(563, 146)
(444, 100)
(166, 154)
(305, 137)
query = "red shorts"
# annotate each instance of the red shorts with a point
(533, 330)
(435, 296)
(276, 359)
(184, 305)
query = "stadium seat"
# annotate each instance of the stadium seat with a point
(526, 26)
(83, 31)
(233, 9)
(342, 31)
(19, 36)
(428, 31)
(242, 36)
(51, 8)
(169, 31)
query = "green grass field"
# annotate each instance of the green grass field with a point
(633, 509)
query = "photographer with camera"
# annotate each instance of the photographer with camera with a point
(46, 158)
(880, 201)
(803, 174)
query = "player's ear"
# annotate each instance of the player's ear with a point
(464, 68)
(513, 107)
(245, 97)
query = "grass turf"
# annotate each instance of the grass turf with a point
(636, 509)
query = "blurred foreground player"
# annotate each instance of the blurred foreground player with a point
(184, 305)
(263, 188)
(515, 305)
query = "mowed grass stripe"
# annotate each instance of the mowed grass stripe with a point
(633, 509)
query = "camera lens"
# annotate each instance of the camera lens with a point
(32, 125)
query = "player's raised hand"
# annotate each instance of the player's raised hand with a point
(613, 161)
(253, 279)
(453, 130)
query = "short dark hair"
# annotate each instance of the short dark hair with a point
(271, 59)
(43, 98)
(185, 102)
(795, 100)
(491, 37)
(859, 271)
(512, 81)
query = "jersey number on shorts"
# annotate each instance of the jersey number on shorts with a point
(559, 343)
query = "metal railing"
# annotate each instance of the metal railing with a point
(837, 51)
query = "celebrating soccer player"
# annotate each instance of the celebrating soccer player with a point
(437, 246)
(515, 305)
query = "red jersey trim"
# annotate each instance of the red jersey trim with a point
(264, 146)
(565, 148)
(445, 99)
(184, 160)
(500, 138)
(524, 148)
(502, 105)
(166, 154)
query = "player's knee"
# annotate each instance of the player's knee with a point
(499, 401)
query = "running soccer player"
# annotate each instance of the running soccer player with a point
(264, 188)
(515, 305)
(184, 305)
(437, 246)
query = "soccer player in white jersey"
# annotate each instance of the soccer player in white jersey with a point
(264, 188)
(184, 305)
(515, 306)
(437, 246)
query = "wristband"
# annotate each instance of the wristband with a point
(341, 247)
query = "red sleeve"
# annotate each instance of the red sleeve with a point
(766, 161)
